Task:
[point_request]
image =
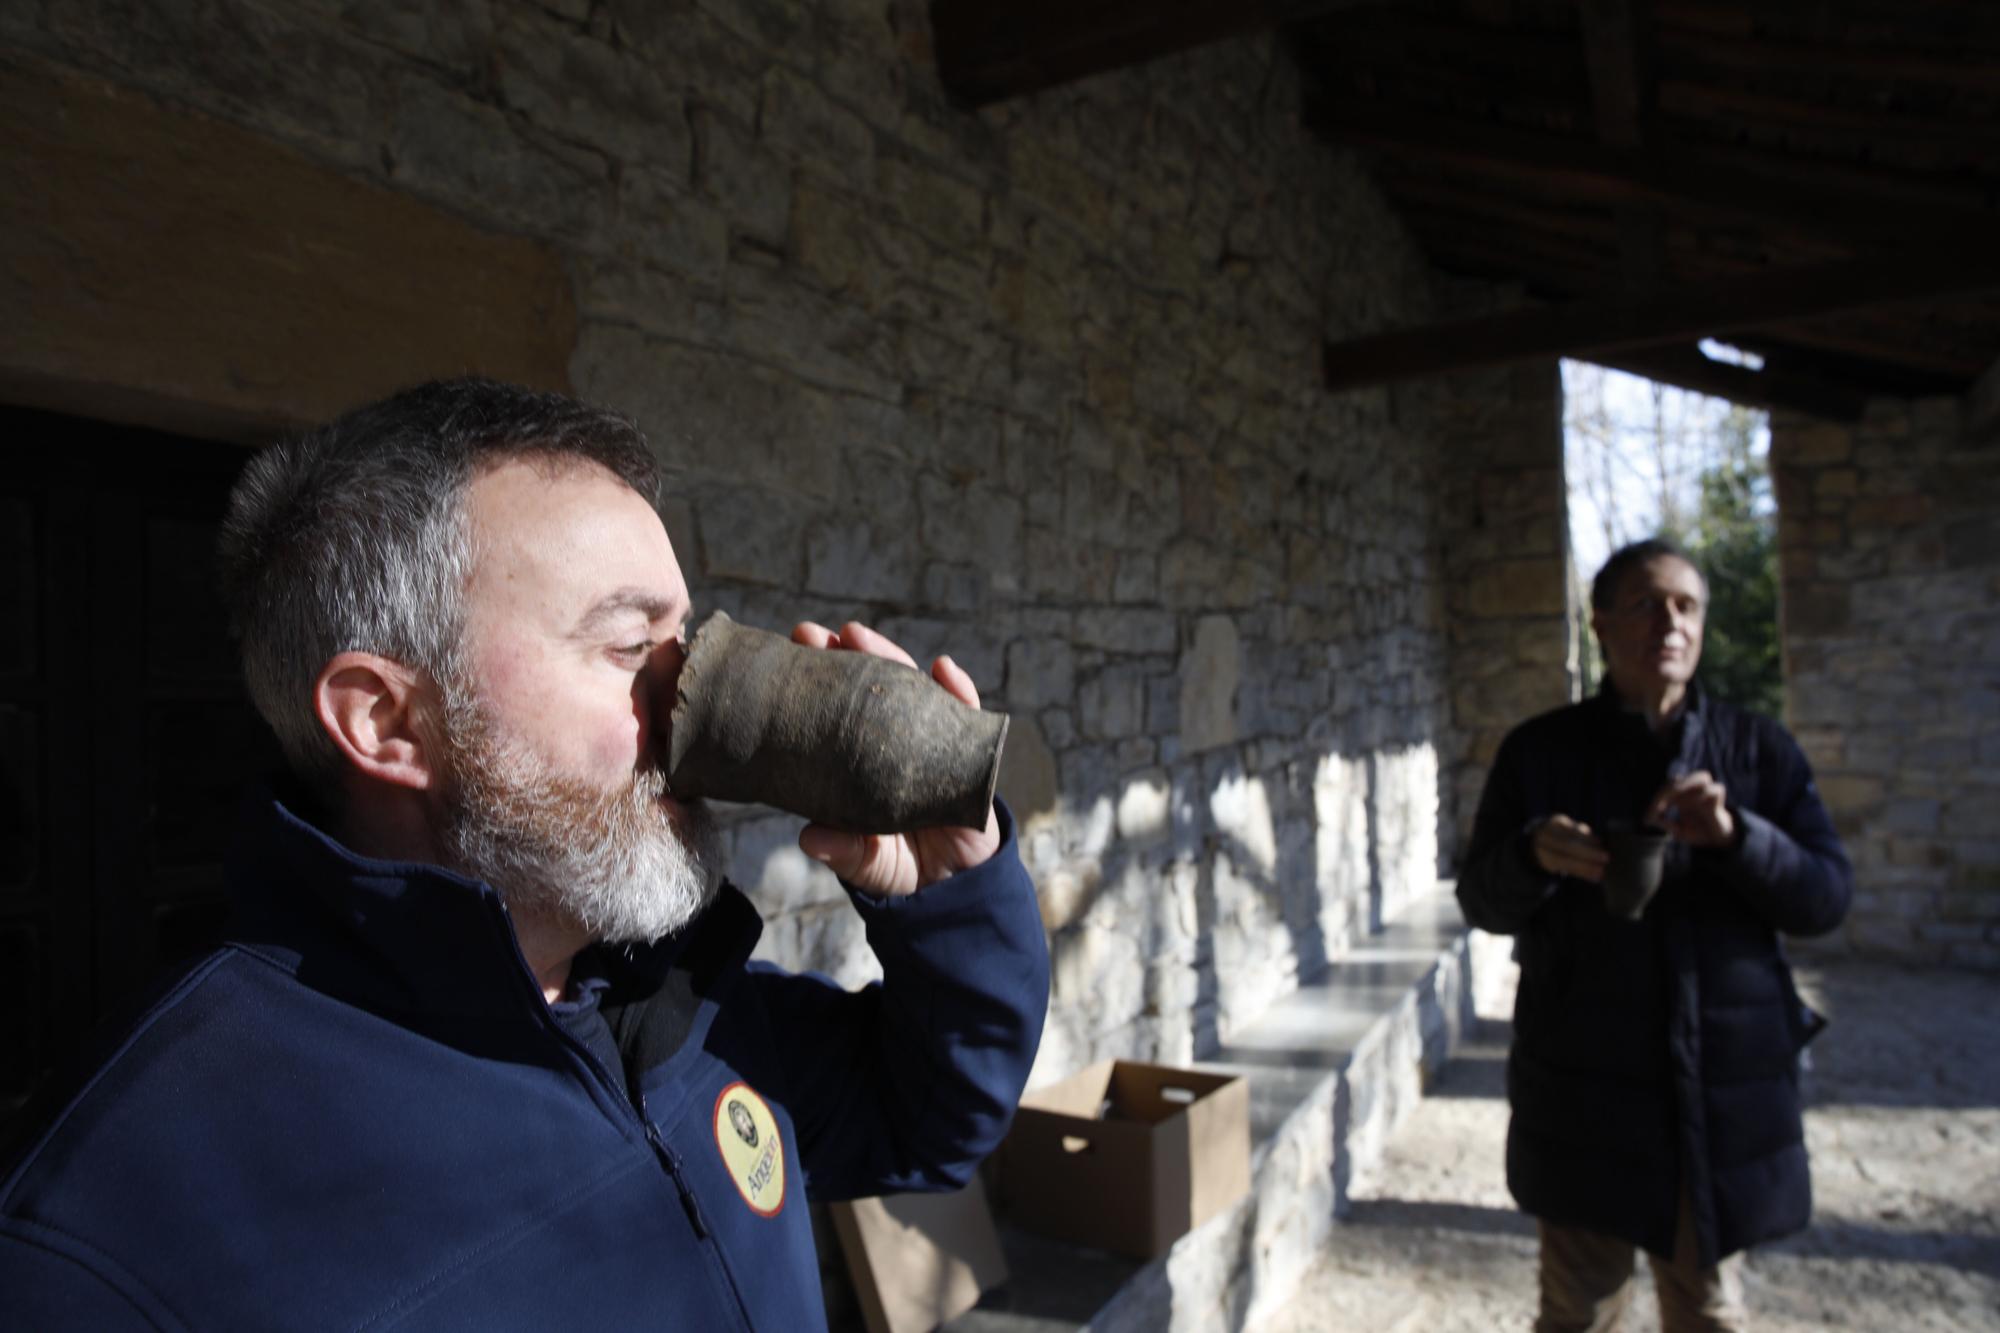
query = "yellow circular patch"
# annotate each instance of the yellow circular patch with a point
(746, 1133)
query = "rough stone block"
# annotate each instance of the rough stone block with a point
(1209, 678)
(1511, 588)
(446, 145)
(1881, 936)
(1059, 725)
(1028, 772)
(1065, 894)
(1918, 852)
(1099, 974)
(1040, 670)
(954, 588)
(765, 861)
(1813, 445)
(1889, 511)
(948, 210)
(1963, 904)
(1126, 630)
(858, 559)
(1816, 609)
(751, 535)
(1908, 815)
(798, 117)
(1111, 705)
(1138, 577)
(1849, 793)
(1065, 572)
(588, 91)
(1144, 808)
(831, 940)
(1973, 542)
(751, 186)
(972, 524)
(1973, 812)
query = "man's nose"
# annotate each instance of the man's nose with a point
(654, 693)
(667, 660)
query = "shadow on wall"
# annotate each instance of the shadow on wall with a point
(1180, 901)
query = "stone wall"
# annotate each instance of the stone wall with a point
(1038, 385)
(1506, 558)
(1889, 536)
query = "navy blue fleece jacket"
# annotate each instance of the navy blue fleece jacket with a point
(360, 1114)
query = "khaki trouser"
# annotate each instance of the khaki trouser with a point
(1587, 1283)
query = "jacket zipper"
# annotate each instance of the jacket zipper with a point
(670, 1159)
(675, 1169)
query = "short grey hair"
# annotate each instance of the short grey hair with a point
(353, 536)
(1604, 588)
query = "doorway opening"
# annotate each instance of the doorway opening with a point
(126, 737)
(1645, 459)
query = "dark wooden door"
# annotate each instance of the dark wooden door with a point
(125, 734)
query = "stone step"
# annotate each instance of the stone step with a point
(1333, 1068)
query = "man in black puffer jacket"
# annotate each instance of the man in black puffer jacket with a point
(1653, 1078)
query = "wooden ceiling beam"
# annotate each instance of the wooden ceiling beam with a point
(1679, 314)
(1685, 367)
(1763, 56)
(1873, 377)
(1866, 213)
(1621, 107)
(1443, 53)
(991, 50)
(1910, 350)
(1883, 358)
(1617, 84)
(1982, 405)
(1867, 127)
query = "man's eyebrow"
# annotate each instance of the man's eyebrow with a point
(649, 604)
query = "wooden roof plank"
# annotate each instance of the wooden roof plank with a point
(1909, 350)
(991, 50)
(1617, 84)
(1958, 68)
(1685, 367)
(1882, 131)
(1667, 175)
(1874, 377)
(1681, 314)
(1982, 405)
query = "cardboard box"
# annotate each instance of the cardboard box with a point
(1126, 1156)
(919, 1259)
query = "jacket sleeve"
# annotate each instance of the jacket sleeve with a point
(1499, 885)
(53, 1283)
(907, 1084)
(1789, 865)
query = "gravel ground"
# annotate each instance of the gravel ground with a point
(1904, 1132)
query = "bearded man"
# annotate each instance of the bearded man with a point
(1653, 1078)
(485, 1048)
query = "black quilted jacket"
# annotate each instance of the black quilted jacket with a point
(1649, 1051)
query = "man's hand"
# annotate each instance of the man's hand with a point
(1694, 810)
(892, 865)
(1564, 847)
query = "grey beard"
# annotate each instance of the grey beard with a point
(608, 860)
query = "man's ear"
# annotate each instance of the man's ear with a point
(369, 704)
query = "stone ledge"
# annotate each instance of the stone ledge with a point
(1333, 1067)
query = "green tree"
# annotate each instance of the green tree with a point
(1733, 538)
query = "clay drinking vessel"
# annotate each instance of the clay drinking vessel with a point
(1638, 860)
(844, 739)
